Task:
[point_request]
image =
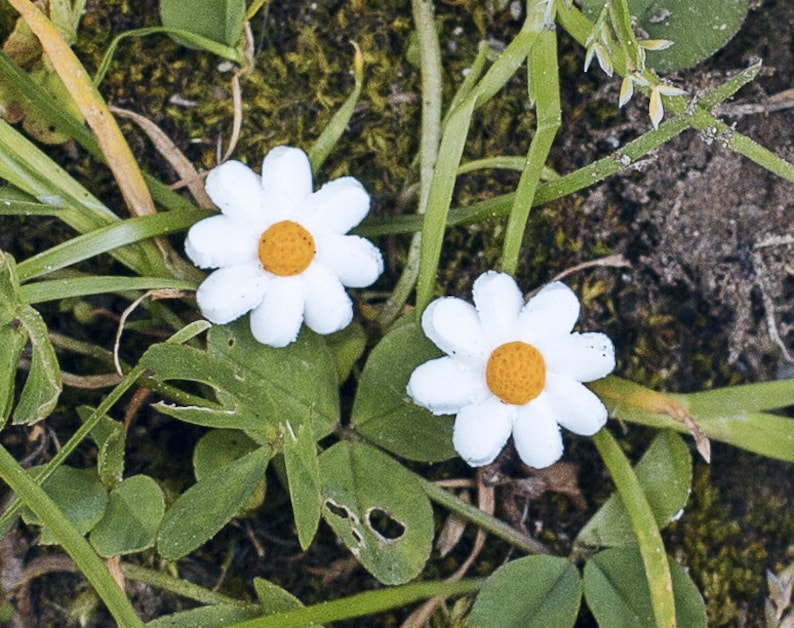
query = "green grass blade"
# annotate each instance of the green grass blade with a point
(107, 239)
(57, 289)
(336, 127)
(654, 557)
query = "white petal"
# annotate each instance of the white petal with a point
(356, 261)
(576, 407)
(328, 308)
(498, 300)
(336, 207)
(551, 312)
(230, 292)
(583, 357)
(219, 241)
(286, 180)
(277, 321)
(446, 385)
(482, 430)
(454, 327)
(655, 108)
(237, 192)
(626, 90)
(536, 434)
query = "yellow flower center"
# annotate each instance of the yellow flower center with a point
(286, 248)
(516, 373)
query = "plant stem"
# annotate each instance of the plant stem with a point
(485, 521)
(177, 585)
(363, 604)
(430, 62)
(542, 76)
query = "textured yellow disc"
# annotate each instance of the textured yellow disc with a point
(516, 373)
(286, 248)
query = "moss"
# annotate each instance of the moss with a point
(726, 538)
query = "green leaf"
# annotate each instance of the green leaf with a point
(697, 28)
(378, 508)
(257, 387)
(385, 414)
(616, 591)
(202, 510)
(13, 339)
(219, 447)
(219, 20)
(665, 475)
(133, 515)
(78, 493)
(111, 440)
(20, 323)
(273, 599)
(43, 385)
(303, 478)
(215, 615)
(347, 347)
(535, 591)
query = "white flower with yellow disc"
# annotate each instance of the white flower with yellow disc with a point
(280, 248)
(512, 368)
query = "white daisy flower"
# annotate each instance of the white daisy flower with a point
(512, 368)
(281, 249)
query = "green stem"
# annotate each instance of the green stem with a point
(490, 524)
(654, 557)
(543, 82)
(621, 21)
(177, 585)
(89, 563)
(430, 62)
(363, 604)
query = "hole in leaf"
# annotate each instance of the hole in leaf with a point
(339, 511)
(232, 342)
(356, 535)
(384, 525)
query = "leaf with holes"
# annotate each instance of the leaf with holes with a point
(131, 519)
(202, 510)
(378, 508)
(256, 387)
(665, 474)
(616, 590)
(384, 413)
(303, 479)
(535, 591)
